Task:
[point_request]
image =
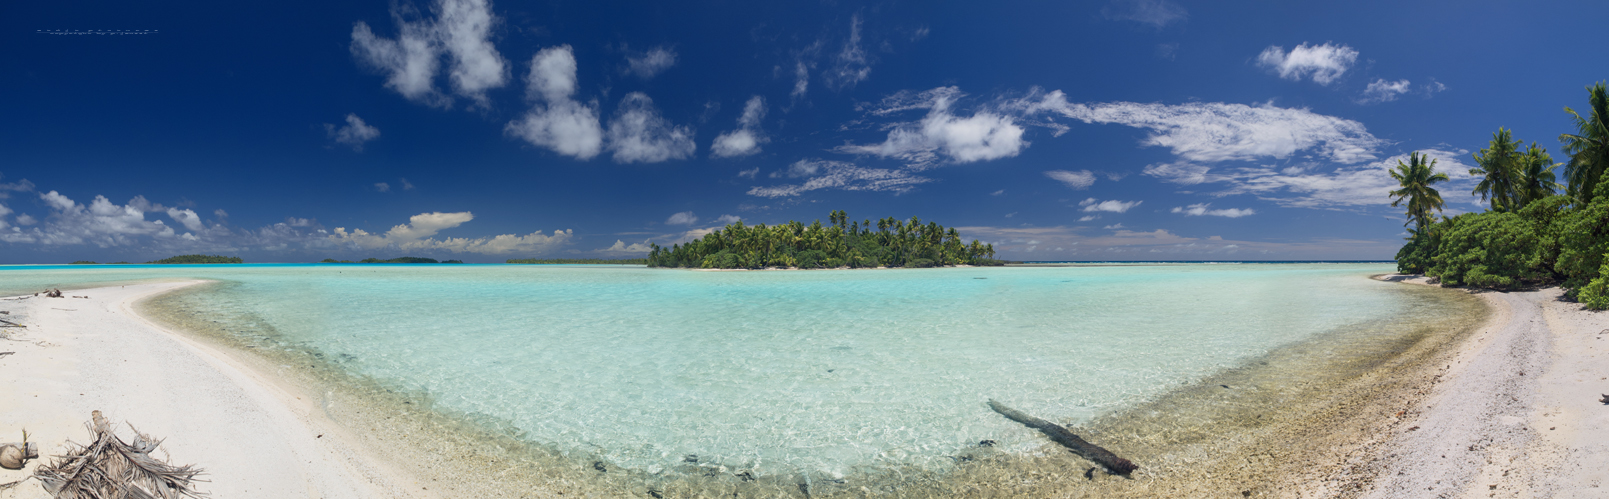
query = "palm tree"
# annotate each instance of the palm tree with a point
(1536, 175)
(1499, 172)
(1416, 178)
(1589, 146)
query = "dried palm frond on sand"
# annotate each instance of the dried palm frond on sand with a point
(109, 468)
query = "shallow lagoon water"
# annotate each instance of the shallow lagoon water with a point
(822, 372)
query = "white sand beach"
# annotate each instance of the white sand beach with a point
(254, 436)
(1514, 411)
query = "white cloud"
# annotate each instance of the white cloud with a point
(1200, 209)
(648, 64)
(997, 193)
(1081, 179)
(621, 248)
(801, 79)
(749, 173)
(556, 120)
(1381, 90)
(851, 66)
(417, 235)
(1347, 186)
(382, 187)
(460, 32)
(682, 218)
(726, 219)
(354, 134)
(841, 175)
(187, 218)
(1113, 226)
(102, 223)
(1434, 87)
(1114, 206)
(986, 135)
(1324, 63)
(747, 138)
(639, 134)
(1157, 13)
(300, 222)
(1087, 218)
(1213, 132)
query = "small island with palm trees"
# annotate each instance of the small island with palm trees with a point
(844, 244)
(1531, 236)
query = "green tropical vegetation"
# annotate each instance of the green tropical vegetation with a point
(195, 259)
(579, 261)
(893, 243)
(405, 259)
(1531, 236)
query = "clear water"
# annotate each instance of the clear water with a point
(824, 372)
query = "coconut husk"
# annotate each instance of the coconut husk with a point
(110, 468)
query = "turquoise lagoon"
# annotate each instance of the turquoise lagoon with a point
(816, 372)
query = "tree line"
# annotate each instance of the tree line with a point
(1531, 235)
(893, 243)
(579, 261)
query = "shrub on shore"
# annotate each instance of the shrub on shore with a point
(1529, 237)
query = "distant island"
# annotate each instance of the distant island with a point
(844, 244)
(405, 259)
(194, 259)
(579, 261)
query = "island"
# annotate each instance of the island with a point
(844, 244)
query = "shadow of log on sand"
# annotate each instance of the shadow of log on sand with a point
(110, 467)
(1113, 464)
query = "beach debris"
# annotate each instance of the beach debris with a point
(1094, 453)
(1605, 399)
(6, 323)
(3, 354)
(111, 467)
(52, 293)
(14, 455)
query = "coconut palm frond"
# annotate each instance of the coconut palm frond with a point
(111, 468)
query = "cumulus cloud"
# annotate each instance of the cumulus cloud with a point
(418, 234)
(851, 65)
(638, 134)
(1214, 132)
(459, 32)
(801, 79)
(1381, 90)
(621, 248)
(1157, 13)
(188, 218)
(1114, 206)
(986, 135)
(556, 120)
(726, 219)
(1081, 179)
(747, 138)
(1323, 63)
(682, 218)
(840, 175)
(101, 223)
(1200, 209)
(649, 64)
(354, 134)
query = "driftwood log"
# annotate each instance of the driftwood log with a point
(1113, 464)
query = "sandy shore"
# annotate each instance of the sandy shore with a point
(1508, 410)
(1516, 412)
(254, 436)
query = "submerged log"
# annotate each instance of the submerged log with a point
(1113, 464)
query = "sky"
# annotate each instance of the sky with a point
(487, 130)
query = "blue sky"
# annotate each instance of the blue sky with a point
(1110, 130)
